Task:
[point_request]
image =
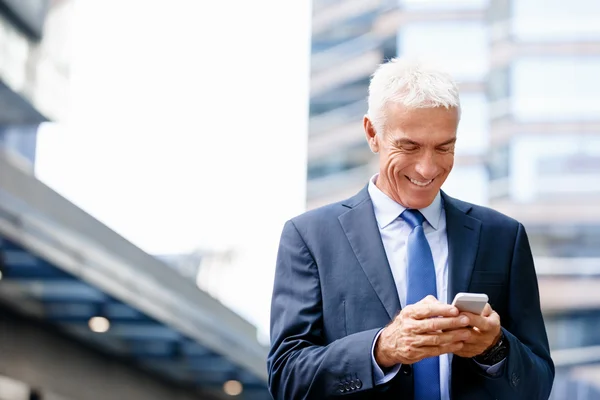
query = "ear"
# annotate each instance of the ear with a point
(371, 134)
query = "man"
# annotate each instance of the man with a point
(360, 301)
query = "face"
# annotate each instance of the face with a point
(416, 152)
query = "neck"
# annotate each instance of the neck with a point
(383, 185)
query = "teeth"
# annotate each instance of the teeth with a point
(420, 183)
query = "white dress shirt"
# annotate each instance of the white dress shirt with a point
(394, 234)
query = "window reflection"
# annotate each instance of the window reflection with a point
(550, 20)
(470, 182)
(564, 240)
(556, 88)
(439, 5)
(473, 128)
(554, 167)
(462, 45)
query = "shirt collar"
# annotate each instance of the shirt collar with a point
(387, 210)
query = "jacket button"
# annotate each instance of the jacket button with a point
(358, 383)
(406, 369)
(347, 386)
(341, 388)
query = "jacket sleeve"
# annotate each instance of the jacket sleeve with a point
(529, 372)
(300, 364)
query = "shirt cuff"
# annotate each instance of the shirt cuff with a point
(492, 370)
(379, 376)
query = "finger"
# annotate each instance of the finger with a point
(429, 299)
(428, 310)
(485, 324)
(452, 347)
(470, 350)
(469, 315)
(444, 338)
(476, 321)
(487, 310)
(476, 336)
(434, 351)
(440, 324)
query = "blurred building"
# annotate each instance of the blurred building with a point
(85, 314)
(528, 143)
(34, 69)
(211, 269)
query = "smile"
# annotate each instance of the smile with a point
(419, 183)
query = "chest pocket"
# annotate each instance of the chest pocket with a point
(491, 283)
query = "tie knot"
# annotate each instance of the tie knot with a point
(413, 217)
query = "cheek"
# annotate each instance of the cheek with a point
(448, 162)
(397, 162)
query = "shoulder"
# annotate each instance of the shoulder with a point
(487, 216)
(497, 229)
(326, 218)
(493, 217)
(317, 226)
(320, 216)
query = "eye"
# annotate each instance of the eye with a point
(446, 149)
(409, 147)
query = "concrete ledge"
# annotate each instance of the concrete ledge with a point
(35, 354)
(48, 225)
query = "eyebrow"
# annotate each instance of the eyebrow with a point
(447, 142)
(404, 141)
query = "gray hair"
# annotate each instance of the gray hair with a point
(411, 83)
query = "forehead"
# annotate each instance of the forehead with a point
(434, 121)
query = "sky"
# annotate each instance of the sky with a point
(187, 128)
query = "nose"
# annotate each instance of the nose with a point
(427, 167)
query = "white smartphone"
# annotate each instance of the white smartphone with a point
(470, 302)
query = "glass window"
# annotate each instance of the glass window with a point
(565, 241)
(473, 129)
(498, 162)
(351, 157)
(570, 160)
(443, 4)
(498, 84)
(498, 11)
(577, 329)
(556, 88)
(554, 20)
(462, 46)
(468, 183)
(21, 140)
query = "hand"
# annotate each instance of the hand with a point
(485, 332)
(424, 329)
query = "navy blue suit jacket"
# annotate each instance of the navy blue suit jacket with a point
(334, 291)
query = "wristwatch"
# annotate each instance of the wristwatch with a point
(494, 354)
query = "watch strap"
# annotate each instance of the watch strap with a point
(494, 354)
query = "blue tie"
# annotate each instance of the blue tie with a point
(421, 283)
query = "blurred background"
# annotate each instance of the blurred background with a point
(151, 153)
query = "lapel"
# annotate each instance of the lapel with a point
(463, 242)
(360, 227)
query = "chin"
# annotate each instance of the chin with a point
(420, 200)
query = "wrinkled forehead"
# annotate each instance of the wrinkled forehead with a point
(400, 118)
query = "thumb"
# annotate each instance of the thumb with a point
(487, 310)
